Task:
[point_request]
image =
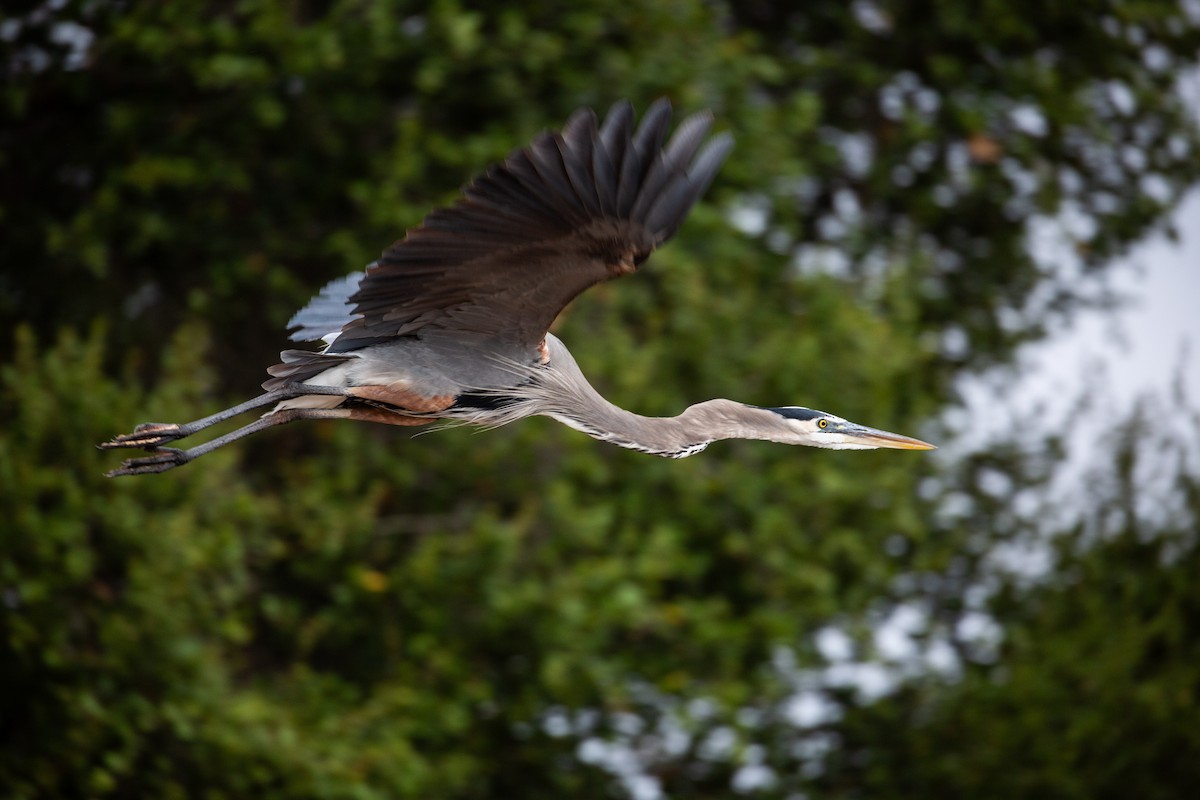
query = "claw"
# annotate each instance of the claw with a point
(148, 435)
(165, 458)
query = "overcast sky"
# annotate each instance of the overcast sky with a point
(1141, 348)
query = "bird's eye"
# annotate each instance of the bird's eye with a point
(822, 423)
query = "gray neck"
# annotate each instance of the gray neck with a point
(671, 437)
(562, 392)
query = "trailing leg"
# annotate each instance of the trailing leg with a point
(165, 458)
(153, 434)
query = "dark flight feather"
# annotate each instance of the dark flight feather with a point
(566, 212)
(638, 156)
(671, 163)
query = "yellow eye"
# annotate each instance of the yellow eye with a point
(822, 423)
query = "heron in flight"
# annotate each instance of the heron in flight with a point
(452, 322)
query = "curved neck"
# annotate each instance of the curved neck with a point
(562, 392)
(670, 437)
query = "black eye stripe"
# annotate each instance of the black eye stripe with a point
(795, 412)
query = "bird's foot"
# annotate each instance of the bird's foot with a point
(164, 458)
(148, 435)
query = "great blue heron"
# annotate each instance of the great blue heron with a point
(452, 322)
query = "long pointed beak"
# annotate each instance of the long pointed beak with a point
(873, 437)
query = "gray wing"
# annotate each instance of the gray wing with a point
(571, 210)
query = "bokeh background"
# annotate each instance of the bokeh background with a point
(923, 193)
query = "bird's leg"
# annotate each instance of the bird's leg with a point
(153, 434)
(165, 458)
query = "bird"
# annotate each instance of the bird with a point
(452, 322)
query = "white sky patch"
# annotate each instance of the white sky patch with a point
(894, 637)
(834, 644)
(753, 777)
(750, 215)
(810, 708)
(869, 679)
(622, 761)
(1028, 119)
(77, 38)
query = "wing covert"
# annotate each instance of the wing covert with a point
(570, 210)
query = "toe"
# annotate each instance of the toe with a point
(150, 434)
(165, 458)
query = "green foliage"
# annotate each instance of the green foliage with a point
(344, 611)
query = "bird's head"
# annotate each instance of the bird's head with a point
(807, 426)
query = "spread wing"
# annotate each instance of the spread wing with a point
(571, 210)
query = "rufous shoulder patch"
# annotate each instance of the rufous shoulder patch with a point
(401, 396)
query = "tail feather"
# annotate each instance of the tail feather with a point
(299, 366)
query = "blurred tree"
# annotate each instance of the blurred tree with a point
(341, 612)
(1093, 689)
